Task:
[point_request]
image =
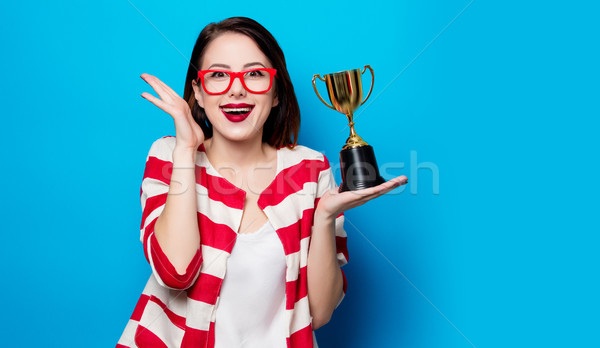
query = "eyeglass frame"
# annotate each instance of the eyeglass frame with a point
(233, 75)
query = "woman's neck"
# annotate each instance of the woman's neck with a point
(244, 154)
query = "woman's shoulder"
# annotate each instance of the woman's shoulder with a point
(300, 153)
(167, 140)
(162, 147)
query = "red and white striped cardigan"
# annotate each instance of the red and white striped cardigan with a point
(179, 310)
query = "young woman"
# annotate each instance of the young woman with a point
(242, 227)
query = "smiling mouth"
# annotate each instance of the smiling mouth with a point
(237, 111)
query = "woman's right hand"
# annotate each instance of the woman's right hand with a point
(189, 135)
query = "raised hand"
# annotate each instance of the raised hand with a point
(332, 203)
(189, 135)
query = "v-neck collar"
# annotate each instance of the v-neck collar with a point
(214, 172)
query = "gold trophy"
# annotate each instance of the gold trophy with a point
(357, 159)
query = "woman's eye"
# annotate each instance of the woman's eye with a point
(218, 74)
(255, 73)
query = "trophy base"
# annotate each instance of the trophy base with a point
(359, 169)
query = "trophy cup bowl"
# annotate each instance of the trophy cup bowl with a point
(357, 159)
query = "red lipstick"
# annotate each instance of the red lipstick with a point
(236, 112)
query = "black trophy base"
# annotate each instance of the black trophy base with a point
(359, 169)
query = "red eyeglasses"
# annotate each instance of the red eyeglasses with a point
(217, 82)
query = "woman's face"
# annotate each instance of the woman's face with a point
(227, 112)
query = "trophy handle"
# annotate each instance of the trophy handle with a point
(317, 91)
(372, 82)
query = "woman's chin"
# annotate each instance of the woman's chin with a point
(239, 135)
(243, 131)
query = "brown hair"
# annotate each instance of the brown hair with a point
(282, 126)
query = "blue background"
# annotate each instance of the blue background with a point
(501, 97)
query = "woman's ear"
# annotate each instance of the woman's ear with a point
(274, 88)
(198, 93)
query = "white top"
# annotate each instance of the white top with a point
(251, 307)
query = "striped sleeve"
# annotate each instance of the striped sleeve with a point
(327, 182)
(153, 196)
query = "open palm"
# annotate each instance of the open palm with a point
(332, 203)
(189, 135)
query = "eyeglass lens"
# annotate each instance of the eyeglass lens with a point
(257, 81)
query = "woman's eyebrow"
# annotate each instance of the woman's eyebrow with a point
(254, 63)
(225, 66)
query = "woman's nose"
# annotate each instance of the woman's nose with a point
(237, 88)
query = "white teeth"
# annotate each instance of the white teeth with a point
(237, 109)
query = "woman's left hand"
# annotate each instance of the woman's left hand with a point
(332, 203)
